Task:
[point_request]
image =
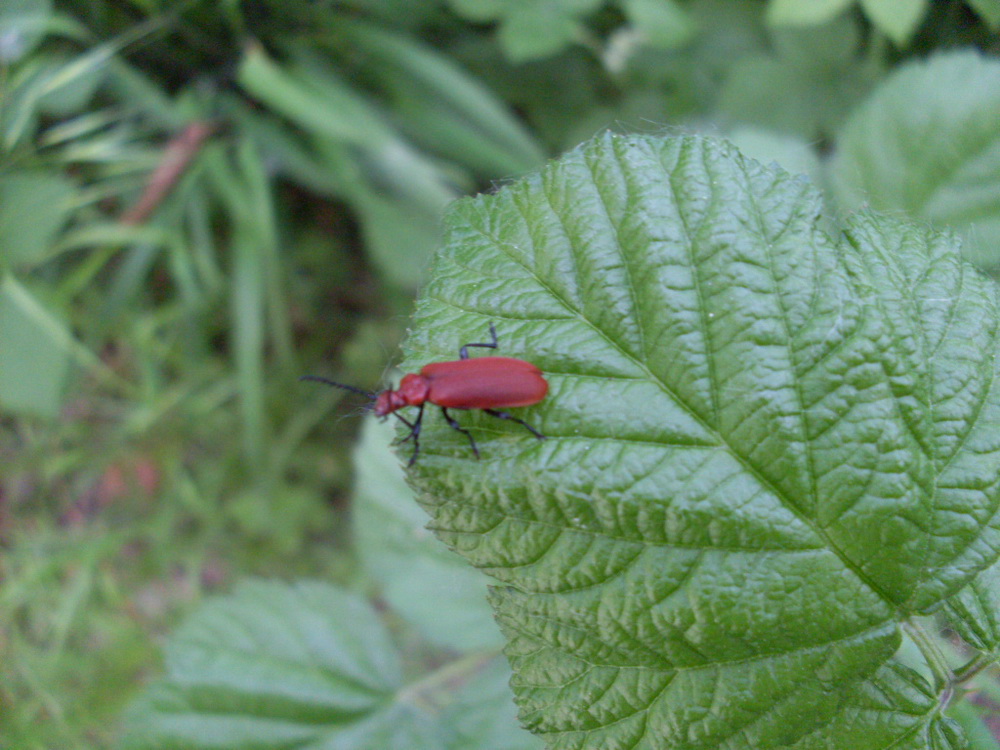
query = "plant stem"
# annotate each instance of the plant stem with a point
(943, 676)
(970, 669)
(454, 673)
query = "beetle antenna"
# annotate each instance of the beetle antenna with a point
(367, 394)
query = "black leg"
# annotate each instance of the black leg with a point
(415, 434)
(409, 424)
(456, 426)
(463, 353)
(505, 415)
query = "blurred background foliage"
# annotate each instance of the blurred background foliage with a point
(200, 201)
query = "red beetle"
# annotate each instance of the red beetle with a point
(484, 383)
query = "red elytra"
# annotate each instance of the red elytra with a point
(482, 383)
(486, 383)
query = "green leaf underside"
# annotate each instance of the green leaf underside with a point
(311, 667)
(765, 447)
(268, 666)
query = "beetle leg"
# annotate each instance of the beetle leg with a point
(409, 424)
(415, 434)
(456, 426)
(505, 415)
(463, 353)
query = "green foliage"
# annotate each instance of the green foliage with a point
(534, 29)
(805, 84)
(302, 653)
(531, 29)
(38, 351)
(357, 153)
(199, 202)
(926, 142)
(443, 107)
(989, 11)
(767, 450)
(26, 234)
(974, 611)
(663, 23)
(313, 665)
(22, 26)
(794, 12)
(897, 19)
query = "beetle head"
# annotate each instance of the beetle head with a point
(413, 391)
(387, 402)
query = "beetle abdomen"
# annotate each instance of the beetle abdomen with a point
(484, 383)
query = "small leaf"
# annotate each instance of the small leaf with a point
(897, 19)
(663, 23)
(531, 29)
(927, 142)
(479, 10)
(22, 26)
(537, 30)
(804, 12)
(36, 351)
(34, 207)
(766, 447)
(988, 10)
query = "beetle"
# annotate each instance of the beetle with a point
(485, 383)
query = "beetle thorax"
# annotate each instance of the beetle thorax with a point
(412, 391)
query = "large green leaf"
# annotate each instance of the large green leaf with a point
(310, 666)
(927, 142)
(766, 449)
